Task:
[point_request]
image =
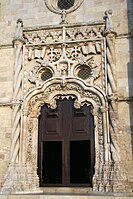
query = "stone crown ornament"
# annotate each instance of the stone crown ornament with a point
(52, 5)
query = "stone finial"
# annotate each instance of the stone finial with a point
(19, 32)
(108, 21)
(20, 21)
(19, 29)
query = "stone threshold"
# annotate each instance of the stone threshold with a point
(62, 197)
(67, 190)
(66, 193)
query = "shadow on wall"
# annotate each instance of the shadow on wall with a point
(130, 63)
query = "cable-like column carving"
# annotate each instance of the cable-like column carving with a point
(12, 176)
(117, 175)
(17, 93)
(112, 88)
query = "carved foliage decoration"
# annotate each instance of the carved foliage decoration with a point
(65, 52)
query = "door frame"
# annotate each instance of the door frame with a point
(83, 94)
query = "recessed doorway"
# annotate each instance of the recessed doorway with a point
(66, 145)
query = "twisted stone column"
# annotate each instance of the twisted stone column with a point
(111, 83)
(17, 93)
(12, 181)
(117, 176)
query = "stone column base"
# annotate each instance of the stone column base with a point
(21, 178)
(111, 180)
(118, 179)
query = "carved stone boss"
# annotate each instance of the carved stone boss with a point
(61, 62)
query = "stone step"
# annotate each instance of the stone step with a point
(60, 196)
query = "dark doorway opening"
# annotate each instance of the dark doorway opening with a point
(52, 163)
(80, 161)
(66, 145)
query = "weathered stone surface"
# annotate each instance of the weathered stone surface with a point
(22, 64)
(61, 197)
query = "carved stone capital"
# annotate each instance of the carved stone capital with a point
(18, 41)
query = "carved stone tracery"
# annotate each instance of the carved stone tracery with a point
(75, 48)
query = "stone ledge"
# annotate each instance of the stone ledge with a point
(57, 196)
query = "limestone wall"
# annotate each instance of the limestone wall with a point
(34, 13)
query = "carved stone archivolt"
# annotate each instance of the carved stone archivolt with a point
(48, 93)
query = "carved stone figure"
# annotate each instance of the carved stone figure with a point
(63, 16)
(109, 25)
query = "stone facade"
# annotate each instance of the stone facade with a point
(53, 44)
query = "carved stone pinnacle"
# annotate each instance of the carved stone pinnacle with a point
(108, 22)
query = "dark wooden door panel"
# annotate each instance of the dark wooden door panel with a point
(80, 126)
(50, 121)
(66, 145)
(52, 127)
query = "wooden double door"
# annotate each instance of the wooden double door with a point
(66, 145)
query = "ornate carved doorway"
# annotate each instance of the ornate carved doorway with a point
(61, 62)
(66, 145)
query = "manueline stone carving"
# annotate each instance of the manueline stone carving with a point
(16, 114)
(113, 110)
(17, 93)
(64, 50)
(74, 90)
(112, 91)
